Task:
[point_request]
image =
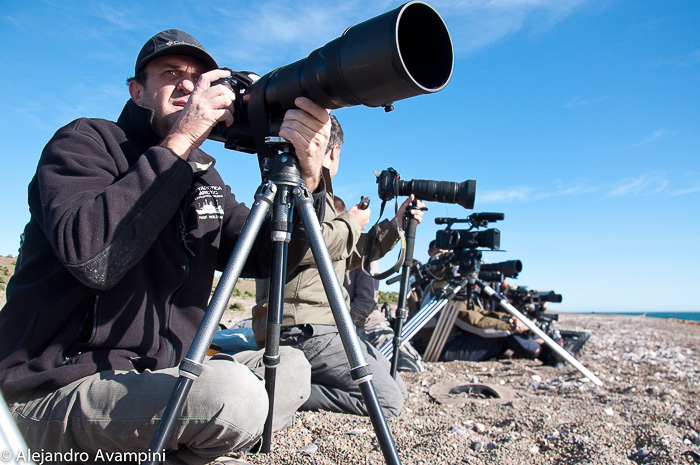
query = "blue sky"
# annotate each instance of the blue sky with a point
(579, 120)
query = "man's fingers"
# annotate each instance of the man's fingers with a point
(309, 106)
(205, 80)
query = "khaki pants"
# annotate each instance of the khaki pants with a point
(119, 411)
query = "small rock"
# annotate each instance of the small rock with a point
(311, 449)
(609, 411)
(477, 446)
(356, 432)
(458, 430)
(479, 427)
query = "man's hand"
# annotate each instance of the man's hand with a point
(362, 216)
(518, 326)
(308, 129)
(206, 106)
(417, 213)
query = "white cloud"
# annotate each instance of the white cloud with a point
(646, 184)
(653, 137)
(520, 194)
(582, 102)
(687, 191)
(477, 23)
(526, 193)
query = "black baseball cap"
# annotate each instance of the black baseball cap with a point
(172, 42)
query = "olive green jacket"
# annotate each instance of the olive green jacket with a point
(305, 299)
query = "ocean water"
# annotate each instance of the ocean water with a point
(693, 316)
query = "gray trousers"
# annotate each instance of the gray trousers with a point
(380, 334)
(119, 411)
(332, 388)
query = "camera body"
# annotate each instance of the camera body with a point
(452, 239)
(239, 135)
(456, 239)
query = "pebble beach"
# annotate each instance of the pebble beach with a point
(647, 411)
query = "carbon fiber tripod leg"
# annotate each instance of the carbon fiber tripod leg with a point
(441, 332)
(401, 312)
(360, 370)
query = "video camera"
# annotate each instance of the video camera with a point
(454, 239)
(399, 54)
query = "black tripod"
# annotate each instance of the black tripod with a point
(401, 313)
(281, 191)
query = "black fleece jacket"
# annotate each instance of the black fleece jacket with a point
(118, 257)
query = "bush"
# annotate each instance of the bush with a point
(389, 297)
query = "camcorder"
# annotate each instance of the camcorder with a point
(455, 239)
(391, 185)
(397, 55)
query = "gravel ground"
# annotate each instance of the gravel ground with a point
(647, 411)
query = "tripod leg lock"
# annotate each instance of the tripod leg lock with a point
(190, 369)
(270, 360)
(361, 374)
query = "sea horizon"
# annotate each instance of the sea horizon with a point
(691, 315)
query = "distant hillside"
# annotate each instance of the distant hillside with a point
(242, 299)
(7, 269)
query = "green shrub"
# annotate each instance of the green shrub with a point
(390, 297)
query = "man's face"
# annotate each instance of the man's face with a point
(169, 81)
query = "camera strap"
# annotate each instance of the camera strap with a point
(369, 244)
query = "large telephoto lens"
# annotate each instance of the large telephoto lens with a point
(396, 55)
(550, 296)
(439, 191)
(509, 268)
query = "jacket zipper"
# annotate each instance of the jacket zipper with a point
(93, 331)
(185, 251)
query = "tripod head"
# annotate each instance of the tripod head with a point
(282, 163)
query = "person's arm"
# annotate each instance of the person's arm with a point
(100, 218)
(340, 234)
(386, 235)
(308, 128)
(478, 319)
(363, 291)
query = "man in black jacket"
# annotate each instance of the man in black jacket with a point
(129, 221)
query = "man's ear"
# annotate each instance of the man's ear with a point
(335, 152)
(136, 91)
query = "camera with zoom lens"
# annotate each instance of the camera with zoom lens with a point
(452, 239)
(507, 269)
(455, 239)
(402, 53)
(391, 185)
